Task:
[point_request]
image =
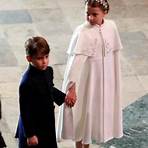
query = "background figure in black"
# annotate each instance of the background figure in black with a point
(2, 142)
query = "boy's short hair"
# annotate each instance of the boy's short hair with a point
(36, 46)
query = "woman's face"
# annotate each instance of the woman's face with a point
(94, 15)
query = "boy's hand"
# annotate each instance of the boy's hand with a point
(31, 141)
(70, 98)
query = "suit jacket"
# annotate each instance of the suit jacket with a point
(0, 110)
(37, 95)
(2, 142)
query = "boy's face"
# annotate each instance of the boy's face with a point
(39, 61)
(94, 15)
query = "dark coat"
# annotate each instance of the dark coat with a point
(37, 95)
(0, 110)
(2, 142)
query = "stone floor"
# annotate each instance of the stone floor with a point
(56, 20)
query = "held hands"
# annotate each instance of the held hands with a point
(70, 98)
(32, 141)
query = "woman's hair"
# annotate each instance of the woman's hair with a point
(36, 46)
(102, 4)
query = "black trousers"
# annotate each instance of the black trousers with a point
(2, 142)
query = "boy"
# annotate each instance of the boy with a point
(37, 93)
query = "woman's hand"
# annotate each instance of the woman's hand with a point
(31, 141)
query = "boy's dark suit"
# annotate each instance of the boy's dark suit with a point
(36, 96)
(2, 142)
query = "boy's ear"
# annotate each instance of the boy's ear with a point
(29, 59)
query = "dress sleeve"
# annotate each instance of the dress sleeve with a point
(79, 50)
(117, 40)
(72, 43)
